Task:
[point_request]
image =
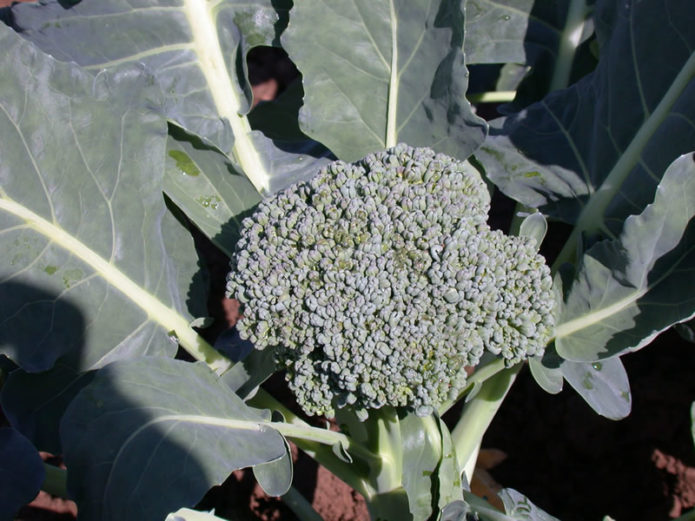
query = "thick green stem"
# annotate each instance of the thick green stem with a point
(387, 443)
(354, 475)
(501, 96)
(381, 434)
(390, 506)
(569, 42)
(300, 506)
(480, 375)
(213, 64)
(478, 415)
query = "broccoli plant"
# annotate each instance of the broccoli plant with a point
(355, 212)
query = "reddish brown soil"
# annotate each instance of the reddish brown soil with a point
(683, 489)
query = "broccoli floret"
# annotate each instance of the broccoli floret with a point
(379, 281)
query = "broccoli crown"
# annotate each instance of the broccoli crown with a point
(379, 281)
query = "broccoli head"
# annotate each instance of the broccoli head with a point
(379, 281)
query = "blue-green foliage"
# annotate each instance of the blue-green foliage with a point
(379, 281)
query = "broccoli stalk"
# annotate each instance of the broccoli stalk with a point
(376, 284)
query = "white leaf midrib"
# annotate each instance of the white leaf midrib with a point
(212, 63)
(392, 111)
(158, 312)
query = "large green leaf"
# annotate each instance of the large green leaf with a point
(21, 472)
(379, 72)
(631, 288)
(206, 186)
(195, 48)
(594, 153)
(250, 372)
(519, 31)
(152, 434)
(94, 266)
(34, 403)
(548, 41)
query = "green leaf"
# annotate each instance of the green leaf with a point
(152, 434)
(594, 153)
(195, 48)
(455, 511)
(513, 31)
(246, 375)
(34, 403)
(517, 507)
(547, 42)
(534, 226)
(520, 508)
(275, 477)
(430, 472)
(21, 472)
(548, 378)
(287, 163)
(603, 385)
(687, 331)
(381, 72)
(186, 514)
(631, 288)
(203, 182)
(95, 267)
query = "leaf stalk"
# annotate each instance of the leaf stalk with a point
(569, 42)
(480, 375)
(225, 96)
(500, 96)
(478, 415)
(355, 475)
(300, 506)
